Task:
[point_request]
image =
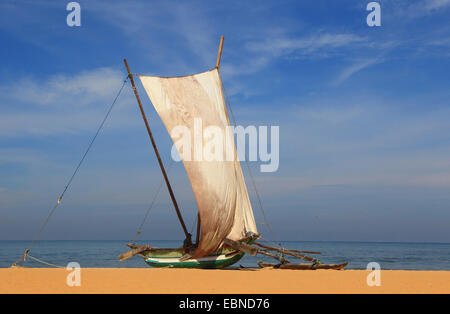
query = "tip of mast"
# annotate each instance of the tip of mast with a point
(219, 54)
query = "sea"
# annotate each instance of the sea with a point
(103, 254)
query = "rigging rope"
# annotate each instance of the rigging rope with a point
(139, 231)
(44, 262)
(266, 222)
(22, 259)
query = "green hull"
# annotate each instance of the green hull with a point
(172, 258)
(211, 262)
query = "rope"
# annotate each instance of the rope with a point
(266, 222)
(139, 231)
(43, 262)
(72, 177)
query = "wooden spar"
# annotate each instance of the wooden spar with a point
(169, 187)
(134, 252)
(197, 239)
(287, 252)
(251, 250)
(246, 248)
(219, 54)
(279, 258)
(306, 252)
(303, 266)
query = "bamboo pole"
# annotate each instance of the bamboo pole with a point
(306, 252)
(219, 54)
(243, 247)
(169, 187)
(278, 258)
(287, 252)
(132, 253)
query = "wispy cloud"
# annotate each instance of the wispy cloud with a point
(329, 114)
(355, 142)
(420, 9)
(63, 89)
(440, 42)
(189, 27)
(278, 45)
(304, 46)
(354, 68)
(62, 103)
(436, 4)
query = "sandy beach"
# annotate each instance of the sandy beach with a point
(147, 280)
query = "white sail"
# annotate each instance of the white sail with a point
(218, 185)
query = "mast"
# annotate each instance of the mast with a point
(197, 237)
(219, 54)
(188, 240)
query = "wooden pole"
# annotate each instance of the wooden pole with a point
(278, 258)
(287, 252)
(244, 247)
(197, 240)
(219, 54)
(172, 195)
(132, 253)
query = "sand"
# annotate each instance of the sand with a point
(148, 280)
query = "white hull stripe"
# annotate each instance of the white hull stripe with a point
(177, 259)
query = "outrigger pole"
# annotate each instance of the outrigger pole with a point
(188, 241)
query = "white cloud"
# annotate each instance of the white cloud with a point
(442, 42)
(78, 89)
(359, 140)
(304, 46)
(16, 155)
(187, 26)
(60, 103)
(436, 4)
(329, 114)
(420, 9)
(354, 68)
(276, 45)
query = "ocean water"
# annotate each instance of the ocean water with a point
(408, 256)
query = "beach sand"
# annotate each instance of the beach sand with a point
(147, 280)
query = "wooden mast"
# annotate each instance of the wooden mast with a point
(197, 237)
(219, 54)
(169, 187)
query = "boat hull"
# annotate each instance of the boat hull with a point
(207, 262)
(176, 258)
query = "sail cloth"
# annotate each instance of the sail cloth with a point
(218, 185)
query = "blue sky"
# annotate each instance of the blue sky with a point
(363, 113)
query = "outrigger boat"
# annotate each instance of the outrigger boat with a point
(226, 228)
